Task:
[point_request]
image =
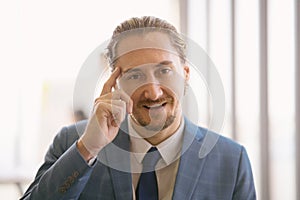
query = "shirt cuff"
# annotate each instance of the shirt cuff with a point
(92, 161)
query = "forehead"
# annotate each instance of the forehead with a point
(144, 57)
(139, 40)
(140, 49)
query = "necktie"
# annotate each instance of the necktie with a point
(147, 186)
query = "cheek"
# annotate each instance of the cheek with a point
(132, 90)
(136, 96)
(175, 86)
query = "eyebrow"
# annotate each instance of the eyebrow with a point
(165, 62)
(131, 70)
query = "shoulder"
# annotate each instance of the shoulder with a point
(219, 150)
(67, 136)
(222, 141)
(210, 142)
(72, 132)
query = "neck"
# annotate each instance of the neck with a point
(158, 136)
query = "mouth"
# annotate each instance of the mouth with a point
(155, 106)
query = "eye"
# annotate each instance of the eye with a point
(165, 70)
(133, 76)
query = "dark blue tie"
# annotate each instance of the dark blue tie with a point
(147, 186)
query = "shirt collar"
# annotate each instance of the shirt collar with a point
(169, 149)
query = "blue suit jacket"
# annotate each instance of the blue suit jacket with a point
(220, 170)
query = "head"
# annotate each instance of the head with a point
(141, 26)
(151, 55)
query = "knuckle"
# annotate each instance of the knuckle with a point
(98, 107)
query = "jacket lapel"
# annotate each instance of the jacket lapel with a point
(191, 165)
(118, 160)
(117, 157)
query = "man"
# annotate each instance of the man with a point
(137, 144)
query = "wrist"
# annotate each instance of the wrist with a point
(84, 151)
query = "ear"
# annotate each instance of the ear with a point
(186, 70)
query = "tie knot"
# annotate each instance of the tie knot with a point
(150, 160)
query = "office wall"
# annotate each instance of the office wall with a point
(43, 47)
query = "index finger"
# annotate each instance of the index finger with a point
(111, 82)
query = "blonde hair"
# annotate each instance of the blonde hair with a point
(140, 25)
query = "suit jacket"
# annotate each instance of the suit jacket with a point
(211, 167)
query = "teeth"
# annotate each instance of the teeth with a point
(155, 106)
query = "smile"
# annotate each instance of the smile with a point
(155, 106)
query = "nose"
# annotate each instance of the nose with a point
(153, 91)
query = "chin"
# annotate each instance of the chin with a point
(159, 126)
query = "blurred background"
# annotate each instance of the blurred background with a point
(254, 44)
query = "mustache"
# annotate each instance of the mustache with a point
(158, 101)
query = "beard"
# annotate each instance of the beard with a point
(170, 119)
(158, 121)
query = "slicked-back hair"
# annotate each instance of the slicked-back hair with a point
(144, 25)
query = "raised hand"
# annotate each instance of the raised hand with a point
(109, 111)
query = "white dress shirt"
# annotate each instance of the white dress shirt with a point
(167, 166)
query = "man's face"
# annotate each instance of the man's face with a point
(154, 78)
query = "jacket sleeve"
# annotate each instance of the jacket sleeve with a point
(64, 173)
(244, 188)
